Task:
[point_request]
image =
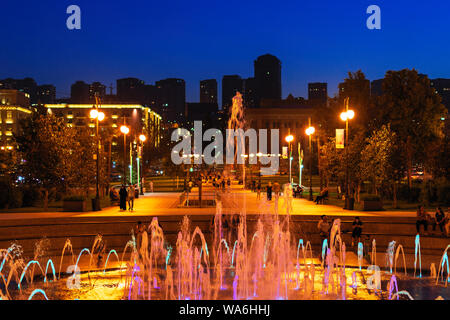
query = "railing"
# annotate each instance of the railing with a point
(192, 199)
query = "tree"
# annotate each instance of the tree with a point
(414, 110)
(377, 159)
(46, 147)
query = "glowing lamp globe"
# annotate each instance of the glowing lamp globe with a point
(93, 114)
(124, 129)
(309, 131)
(101, 116)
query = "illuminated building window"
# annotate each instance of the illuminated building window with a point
(8, 133)
(91, 125)
(114, 116)
(9, 118)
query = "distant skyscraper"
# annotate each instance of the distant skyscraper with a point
(442, 87)
(318, 92)
(130, 89)
(172, 98)
(97, 88)
(27, 85)
(208, 91)
(46, 94)
(268, 77)
(79, 92)
(250, 96)
(230, 85)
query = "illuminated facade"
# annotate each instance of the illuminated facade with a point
(140, 119)
(14, 105)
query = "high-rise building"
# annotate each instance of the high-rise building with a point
(27, 85)
(442, 87)
(14, 105)
(250, 96)
(46, 93)
(130, 89)
(172, 98)
(208, 91)
(268, 77)
(79, 92)
(318, 92)
(230, 85)
(96, 88)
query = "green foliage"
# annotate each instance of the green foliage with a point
(75, 198)
(413, 109)
(409, 194)
(371, 197)
(376, 157)
(30, 196)
(46, 145)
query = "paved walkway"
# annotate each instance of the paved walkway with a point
(158, 204)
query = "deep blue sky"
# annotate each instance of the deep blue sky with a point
(194, 40)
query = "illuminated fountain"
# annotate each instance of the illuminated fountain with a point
(266, 262)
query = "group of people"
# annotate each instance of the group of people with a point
(126, 195)
(324, 228)
(440, 220)
(230, 226)
(270, 190)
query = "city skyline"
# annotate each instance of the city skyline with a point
(315, 42)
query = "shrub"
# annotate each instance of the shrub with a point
(15, 198)
(75, 198)
(4, 195)
(371, 197)
(30, 196)
(443, 193)
(411, 195)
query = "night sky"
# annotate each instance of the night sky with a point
(194, 40)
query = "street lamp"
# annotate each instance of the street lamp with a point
(142, 138)
(345, 116)
(125, 130)
(98, 116)
(289, 139)
(310, 131)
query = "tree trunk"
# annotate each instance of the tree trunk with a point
(45, 200)
(395, 204)
(409, 161)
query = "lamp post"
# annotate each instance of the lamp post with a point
(125, 130)
(345, 116)
(289, 139)
(310, 131)
(142, 138)
(98, 116)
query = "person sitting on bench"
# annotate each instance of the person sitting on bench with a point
(298, 191)
(323, 195)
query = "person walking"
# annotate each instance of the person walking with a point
(123, 198)
(258, 191)
(151, 186)
(269, 191)
(276, 189)
(130, 197)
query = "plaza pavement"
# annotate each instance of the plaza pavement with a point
(236, 200)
